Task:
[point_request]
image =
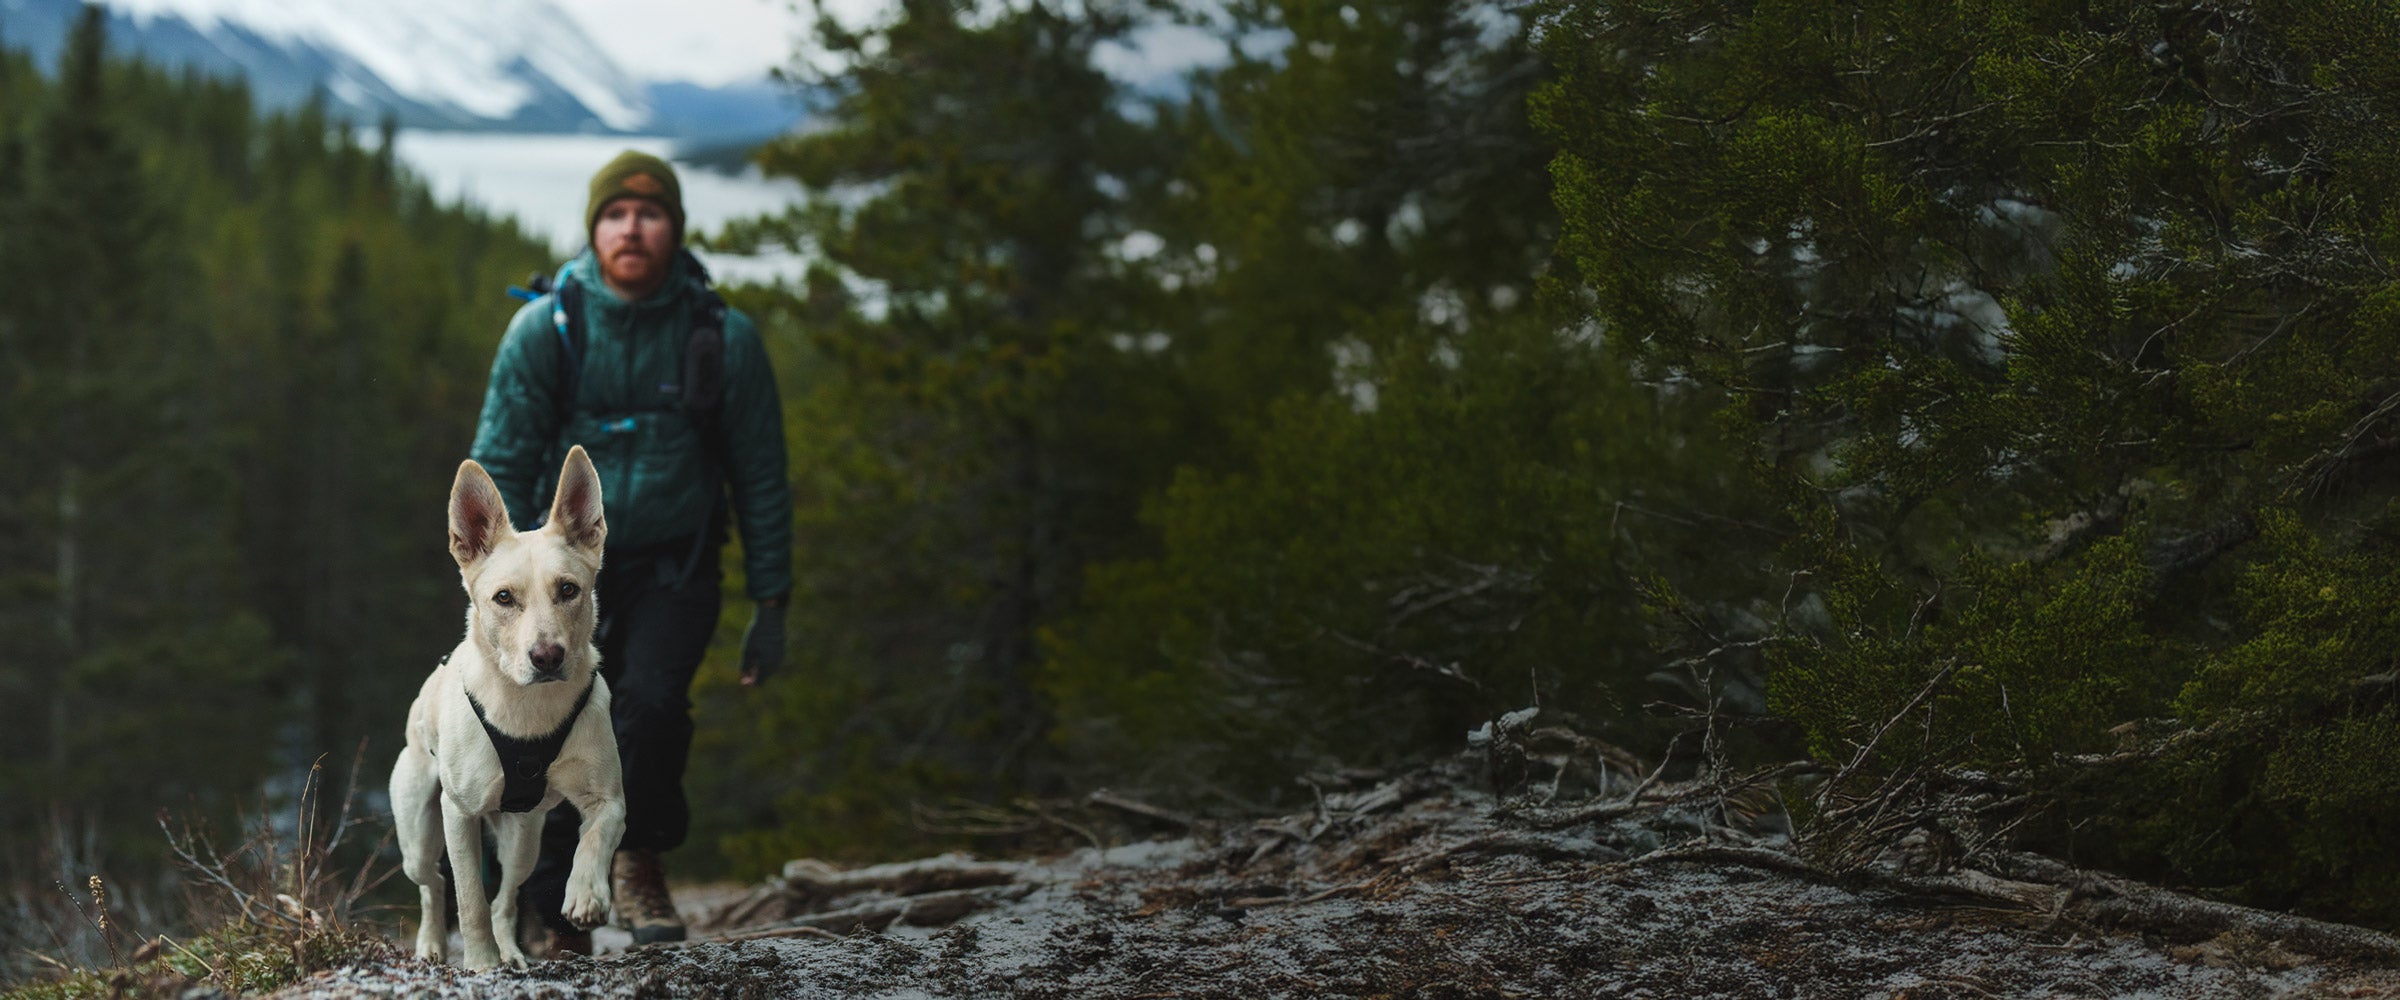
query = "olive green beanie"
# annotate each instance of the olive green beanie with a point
(635, 175)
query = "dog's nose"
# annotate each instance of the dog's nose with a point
(547, 657)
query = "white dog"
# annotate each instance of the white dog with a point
(523, 688)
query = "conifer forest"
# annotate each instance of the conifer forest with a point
(1908, 398)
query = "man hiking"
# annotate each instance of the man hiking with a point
(669, 391)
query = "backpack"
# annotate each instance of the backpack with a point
(703, 367)
(703, 348)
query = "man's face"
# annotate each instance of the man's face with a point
(634, 240)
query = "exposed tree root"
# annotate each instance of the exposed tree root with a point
(2109, 901)
(919, 892)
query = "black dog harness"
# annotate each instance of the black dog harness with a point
(525, 764)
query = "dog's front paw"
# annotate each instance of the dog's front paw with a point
(512, 956)
(587, 905)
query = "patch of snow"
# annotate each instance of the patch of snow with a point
(1150, 58)
(463, 54)
(1266, 46)
(1148, 854)
(1496, 23)
(1138, 245)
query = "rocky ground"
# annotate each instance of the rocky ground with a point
(1423, 887)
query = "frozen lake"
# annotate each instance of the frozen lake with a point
(541, 180)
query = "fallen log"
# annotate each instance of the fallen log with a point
(761, 935)
(1112, 800)
(2109, 901)
(818, 879)
(1643, 799)
(932, 909)
(1501, 842)
(1964, 883)
(810, 885)
(2041, 885)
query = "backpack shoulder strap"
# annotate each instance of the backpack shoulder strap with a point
(566, 316)
(704, 357)
(703, 347)
(704, 396)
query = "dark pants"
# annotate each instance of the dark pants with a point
(654, 628)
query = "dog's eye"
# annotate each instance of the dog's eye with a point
(505, 599)
(567, 590)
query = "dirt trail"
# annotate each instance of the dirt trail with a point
(1412, 889)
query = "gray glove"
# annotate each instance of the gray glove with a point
(762, 643)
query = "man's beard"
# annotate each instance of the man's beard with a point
(631, 266)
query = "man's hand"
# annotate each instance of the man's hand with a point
(762, 643)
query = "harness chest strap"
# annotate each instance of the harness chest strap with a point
(525, 764)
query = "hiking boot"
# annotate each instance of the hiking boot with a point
(639, 881)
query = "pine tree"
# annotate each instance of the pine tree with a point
(128, 610)
(966, 443)
(2061, 331)
(1424, 503)
(152, 364)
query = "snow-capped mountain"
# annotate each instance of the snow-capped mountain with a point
(505, 64)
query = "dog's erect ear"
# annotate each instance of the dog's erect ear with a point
(576, 510)
(478, 519)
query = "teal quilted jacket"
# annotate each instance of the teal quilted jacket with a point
(654, 478)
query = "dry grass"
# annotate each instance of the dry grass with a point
(279, 905)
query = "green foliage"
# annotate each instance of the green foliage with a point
(1395, 469)
(240, 360)
(2022, 663)
(2002, 385)
(966, 432)
(2067, 333)
(1383, 578)
(2319, 620)
(1193, 439)
(1287, 317)
(2006, 385)
(2048, 354)
(2285, 798)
